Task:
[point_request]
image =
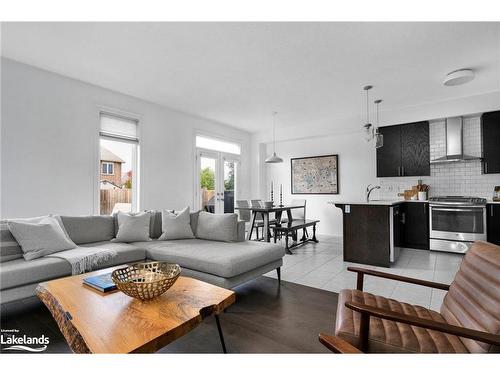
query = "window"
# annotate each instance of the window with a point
(217, 145)
(118, 151)
(107, 168)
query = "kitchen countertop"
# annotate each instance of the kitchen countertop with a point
(389, 202)
(381, 202)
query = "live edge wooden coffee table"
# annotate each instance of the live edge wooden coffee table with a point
(93, 322)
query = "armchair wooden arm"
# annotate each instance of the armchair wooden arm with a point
(363, 271)
(337, 345)
(366, 311)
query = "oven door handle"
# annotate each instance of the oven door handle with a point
(458, 209)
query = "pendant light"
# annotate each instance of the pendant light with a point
(368, 127)
(379, 138)
(274, 158)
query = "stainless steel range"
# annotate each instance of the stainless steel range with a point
(455, 222)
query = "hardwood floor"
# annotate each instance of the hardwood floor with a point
(264, 319)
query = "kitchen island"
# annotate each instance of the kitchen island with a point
(375, 231)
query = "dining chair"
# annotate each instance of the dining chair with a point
(259, 222)
(245, 215)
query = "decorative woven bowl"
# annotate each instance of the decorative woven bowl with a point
(146, 281)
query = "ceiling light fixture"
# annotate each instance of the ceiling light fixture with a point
(274, 158)
(379, 138)
(458, 77)
(368, 127)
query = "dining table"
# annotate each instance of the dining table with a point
(265, 212)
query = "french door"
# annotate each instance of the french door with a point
(216, 181)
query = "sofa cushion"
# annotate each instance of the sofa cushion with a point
(194, 221)
(217, 227)
(387, 336)
(155, 224)
(222, 259)
(38, 237)
(176, 226)
(126, 253)
(133, 226)
(91, 228)
(9, 248)
(22, 272)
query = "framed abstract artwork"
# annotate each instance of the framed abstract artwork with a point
(315, 175)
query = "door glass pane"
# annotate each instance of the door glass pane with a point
(207, 184)
(467, 221)
(229, 185)
(115, 182)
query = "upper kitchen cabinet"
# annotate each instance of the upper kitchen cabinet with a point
(389, 155)
(490, 124)
(415, 149)
(405, 152)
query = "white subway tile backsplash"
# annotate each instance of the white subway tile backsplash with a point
(453, 178)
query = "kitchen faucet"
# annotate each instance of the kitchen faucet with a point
(369, 191)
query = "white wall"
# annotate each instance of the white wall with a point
(49, 145)
(356, 171)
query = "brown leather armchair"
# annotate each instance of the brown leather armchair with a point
(469, 321)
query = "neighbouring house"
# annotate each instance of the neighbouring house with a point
(111, 170)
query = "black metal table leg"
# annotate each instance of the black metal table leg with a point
(221, 336)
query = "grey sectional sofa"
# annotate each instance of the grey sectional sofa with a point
(226, 264)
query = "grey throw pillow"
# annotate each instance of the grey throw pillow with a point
(133, 227)
(40, 236)
(176, 226)
(217, 227)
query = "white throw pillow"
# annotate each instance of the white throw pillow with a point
(217, 227)
(40, 236)
(176, 226)
(133, 227)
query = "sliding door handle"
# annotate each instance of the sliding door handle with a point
(486, 167)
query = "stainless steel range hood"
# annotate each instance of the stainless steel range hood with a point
(454, 143)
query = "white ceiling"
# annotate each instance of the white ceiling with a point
(238, 73)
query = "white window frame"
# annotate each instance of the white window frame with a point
(136, 155)
(108, 164)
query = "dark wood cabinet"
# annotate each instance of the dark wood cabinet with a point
(416, 225)
(406, 150)
(415, 149)
(490, 126)
(366, 234)
(389, 155)
(493, 223)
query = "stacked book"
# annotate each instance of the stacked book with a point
(102, 283)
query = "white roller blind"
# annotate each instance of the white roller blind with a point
(119, 127)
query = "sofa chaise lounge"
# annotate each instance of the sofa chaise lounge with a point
(226, 264)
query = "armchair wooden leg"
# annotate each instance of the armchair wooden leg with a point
(359, 281)
(278, 272)
(364, 331)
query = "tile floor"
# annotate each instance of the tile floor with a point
(321, 266)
